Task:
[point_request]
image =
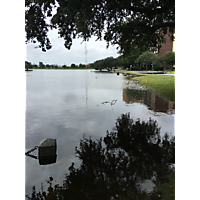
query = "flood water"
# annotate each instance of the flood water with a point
(67, 104)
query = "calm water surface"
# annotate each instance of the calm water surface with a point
(67, 104)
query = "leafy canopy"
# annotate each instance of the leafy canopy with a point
(122, 22)
(146, 58)
(168, 58)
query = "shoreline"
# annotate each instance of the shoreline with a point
(161, 84)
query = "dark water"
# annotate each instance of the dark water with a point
(67, 104)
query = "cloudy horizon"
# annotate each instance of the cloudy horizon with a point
(60, 55)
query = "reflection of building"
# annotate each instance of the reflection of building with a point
(149, 98)
(158, 104)
(133, 96)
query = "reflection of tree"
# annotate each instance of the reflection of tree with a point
(112, 166)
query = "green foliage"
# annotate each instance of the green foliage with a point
(168, 58)
(131, 58)
(124, 23)
(160, 59)
(99, 65)
(35, 66)
(146, 58)
(158, 68)
(137, 59)
(81, 66)
(108, 63)
(73, 65)
(41, 65)
(28, 65)
(47, 66)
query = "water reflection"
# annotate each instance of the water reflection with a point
(118, 165)
(133, 93)
(150, 99)
(62, 104)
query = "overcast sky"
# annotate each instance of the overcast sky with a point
(60, 55)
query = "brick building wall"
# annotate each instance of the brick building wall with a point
(167, 46)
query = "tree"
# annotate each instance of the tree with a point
(109, 63)
(41, 65)
(99, 65)
(35, 66)
(169, 58)
(64, 66)
(47, 66)
(81, 66)
(146, 58)
(121, 22)
(131, 59)
(73, 65)
(118, 62)
(28, 65)
(161, 60)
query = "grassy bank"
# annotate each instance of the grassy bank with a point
(164, 85)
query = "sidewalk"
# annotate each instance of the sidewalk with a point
(168, 74)
(152, 72)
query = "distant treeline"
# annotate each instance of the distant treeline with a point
(137, 60)
(29, 65)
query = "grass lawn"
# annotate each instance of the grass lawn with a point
(171, 72)
(164, 85)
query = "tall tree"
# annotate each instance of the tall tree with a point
(121, 22)
(41, 65)
(109, 63)
(28, 65)
(99, 65)
(169, 58)
(146, 58)
(64, 66)
(73, 65)
(131, 58)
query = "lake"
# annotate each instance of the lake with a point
(67, 104)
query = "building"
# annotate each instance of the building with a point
(87, 65)
(167, 45)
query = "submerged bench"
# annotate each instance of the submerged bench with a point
(47, 151)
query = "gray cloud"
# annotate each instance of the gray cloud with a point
(96, 50)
